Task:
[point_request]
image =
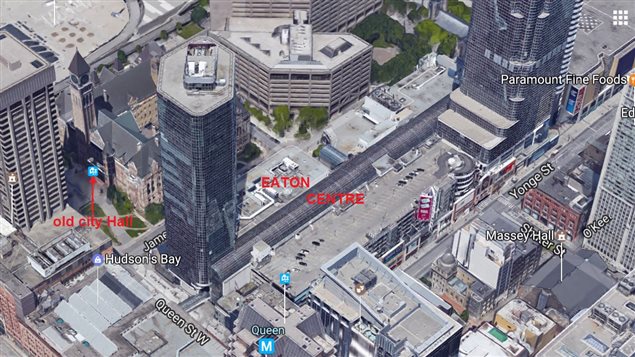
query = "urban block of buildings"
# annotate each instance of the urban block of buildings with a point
(584, 280)
(368, 309)
(33, 265)
(606, 328)
(525, 324)
(116, 112)
(305, 335)
(488, 340)
(601, 49)
(479, 272)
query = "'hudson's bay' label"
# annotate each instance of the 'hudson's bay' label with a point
(129, 259)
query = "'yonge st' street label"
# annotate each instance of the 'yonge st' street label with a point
(544, 171)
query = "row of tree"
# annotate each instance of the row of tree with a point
(412, 46)
(307, 118)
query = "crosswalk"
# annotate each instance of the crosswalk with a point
(155, 8)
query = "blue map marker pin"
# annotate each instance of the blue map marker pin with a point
(98, 259)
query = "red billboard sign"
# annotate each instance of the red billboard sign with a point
(424, 211)
(579, 100)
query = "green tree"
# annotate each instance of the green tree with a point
(419, 14)
(379, 25)
(250, 152)
(394, 70)
(121, 56)
(460, 10)
(465, 315)
(258, 114)
(120, 200)
(303, 133)
(100, 67)
(179, 26)
(425, 281)
(164, 35)
(282, 119)
(313, 117)
(447, 46)
(302, 128)
(198, 14)
(138, 48)
(154, 212)
(430, 31)
(317, 150)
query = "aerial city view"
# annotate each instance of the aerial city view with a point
(313, 178)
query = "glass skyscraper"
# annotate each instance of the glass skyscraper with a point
(489, 117)
(615, 195)
(198, 152)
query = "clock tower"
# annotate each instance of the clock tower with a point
(83, 102)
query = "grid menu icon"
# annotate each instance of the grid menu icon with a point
(620, 17)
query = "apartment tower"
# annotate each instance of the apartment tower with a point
(490, 118)
(615, 195)
(32, 182)
(198, 151)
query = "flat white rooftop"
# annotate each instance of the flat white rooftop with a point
(17, 61)
(482, 111)
(588, 335)
(82, 24)
(470, 130)
(172, 75)
(264, 40)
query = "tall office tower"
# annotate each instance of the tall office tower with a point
(488, 117)
(81, 88)
(615, 196)
(198, 153)
(32, 183)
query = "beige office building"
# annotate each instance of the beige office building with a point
(324, 15)
(283, 62)
(32, 182)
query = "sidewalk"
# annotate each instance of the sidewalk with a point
(109, 210)
(568, 133)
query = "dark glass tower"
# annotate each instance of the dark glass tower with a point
(518, 38)
(198, 153)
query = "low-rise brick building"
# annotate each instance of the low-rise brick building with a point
(561, 202)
